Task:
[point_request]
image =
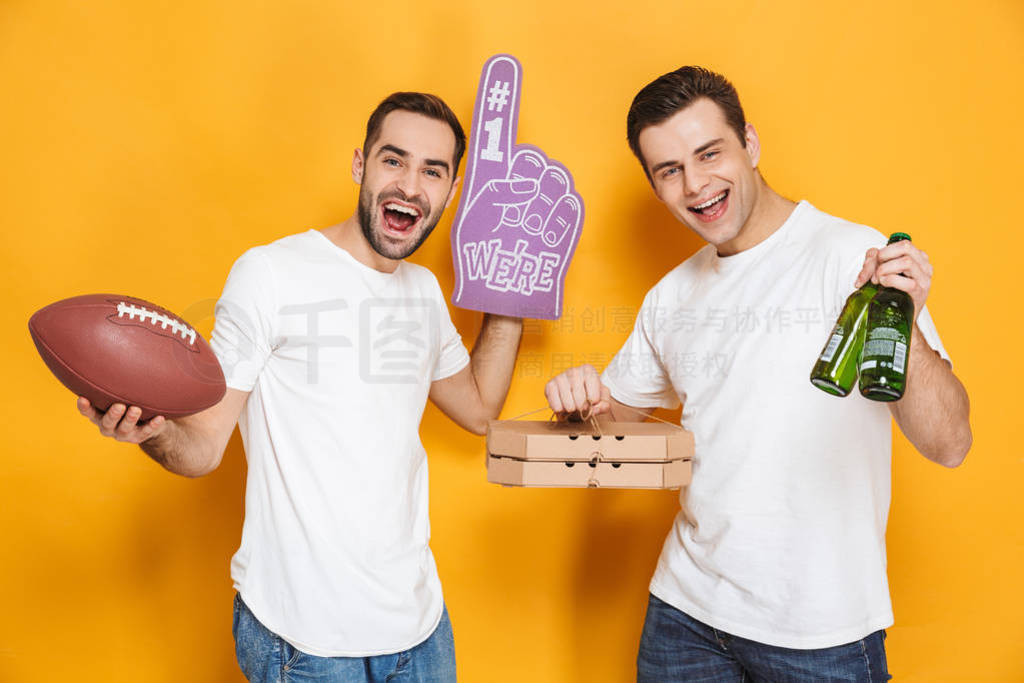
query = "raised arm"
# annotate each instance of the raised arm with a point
(476, 393)
(190, 446)
(934, 411)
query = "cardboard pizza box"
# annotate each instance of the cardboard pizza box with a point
(641, 455)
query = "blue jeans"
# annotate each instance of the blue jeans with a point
(267, 658)
(676, 647)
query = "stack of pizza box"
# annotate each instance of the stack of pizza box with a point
(630, 455)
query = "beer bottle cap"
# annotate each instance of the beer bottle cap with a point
(898, 236)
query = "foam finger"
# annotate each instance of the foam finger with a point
(506, 193)
(495, 120)
(527, 167)
(527, 163)
(564, 220)
(554, 183)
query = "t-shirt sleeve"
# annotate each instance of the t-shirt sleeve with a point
(453, 355)
(636, 375)
(931, 334)
(243, 326)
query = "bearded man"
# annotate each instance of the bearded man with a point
(331, 345)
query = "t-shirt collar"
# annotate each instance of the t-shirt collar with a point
(372, 273)
(725, 264)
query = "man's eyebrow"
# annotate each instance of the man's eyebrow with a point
(394, 150)
(405, 155)
(664, 164)
(703, 148)
(706, 145)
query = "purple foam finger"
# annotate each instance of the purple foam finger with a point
(564, 222)
(495, 120)
(527, 164)
(554, 183)
(515, 192)
(513, 272)
(511, 246)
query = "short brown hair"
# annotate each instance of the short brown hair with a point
(430, 106)
(662, 98)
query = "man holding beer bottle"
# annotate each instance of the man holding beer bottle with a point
(775, 566)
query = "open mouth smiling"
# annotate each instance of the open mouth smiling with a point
(399, 217)
(712, 208)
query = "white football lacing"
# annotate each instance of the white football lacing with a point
(177, 327)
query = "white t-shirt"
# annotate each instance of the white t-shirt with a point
(781, 535)
(339, 359)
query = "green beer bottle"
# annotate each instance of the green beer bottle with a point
(890, 320)
(835, 372)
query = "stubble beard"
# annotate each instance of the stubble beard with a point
(378, 242)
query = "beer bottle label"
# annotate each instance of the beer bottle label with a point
(885, 347)
(833, 344)
(899, 357)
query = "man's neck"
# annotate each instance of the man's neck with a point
(770, 211)
(349, 236)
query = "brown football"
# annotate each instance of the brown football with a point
(119, 349)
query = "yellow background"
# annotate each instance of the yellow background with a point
(146, 145)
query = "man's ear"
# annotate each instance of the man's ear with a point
(451, 192)
(357, 166)
(753, 145)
